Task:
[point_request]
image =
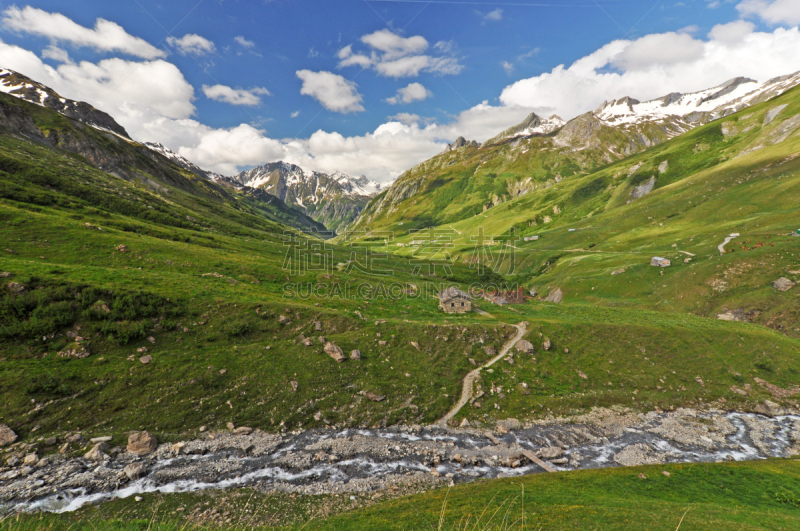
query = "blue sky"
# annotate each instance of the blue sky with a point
(472, 54)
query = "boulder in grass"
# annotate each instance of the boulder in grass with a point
(547, 344)
(142, 443)
(374, 397)
(783, 284)
(7, 435)
(334, 352)
(355, 355)
(525, 346)
(555, 296)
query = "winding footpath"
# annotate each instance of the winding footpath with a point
(469, 379)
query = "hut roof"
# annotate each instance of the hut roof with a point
(452, 293)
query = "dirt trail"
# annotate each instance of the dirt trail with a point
(469, 379)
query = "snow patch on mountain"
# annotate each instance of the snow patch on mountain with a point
(702, 107)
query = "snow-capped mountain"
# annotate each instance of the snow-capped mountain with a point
(334, 200)
(699, 107)
(23, 87)
(180, 160)
(533, 125)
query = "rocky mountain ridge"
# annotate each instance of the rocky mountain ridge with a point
(25, 88)
(538, 153)
(334, 200)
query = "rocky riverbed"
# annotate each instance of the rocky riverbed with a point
(407, 459)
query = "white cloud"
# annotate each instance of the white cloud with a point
(508, 67)
(56, 54)
(153, 100)
(731, 33)
(411, 93)
(295, 114)
(244, 42)
(621, 68)
(192, 44)
(394, 56)
(233, 96)
(394, 46)
(106, 35)
(772, 11)
(660, 48)
(334, 92)
(495, 15)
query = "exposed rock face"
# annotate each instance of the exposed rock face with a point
(460, 143)
(334, 352)
(555, 296)
(783, 284)
(7, 435)
(333, 200)
(142, 443)
(644, 188)
(74, 350)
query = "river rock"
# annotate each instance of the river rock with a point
(551, 452)
(525, 346)
(769, 409)
(508, 425)
(135, 471)
(334, 352)
(142, 443)
(465, 424)
(243, 430)
(7, 435)
(355, 355)
(97, 453)
(783, 284)
(30, 460)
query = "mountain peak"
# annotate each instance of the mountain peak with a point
(25, 88)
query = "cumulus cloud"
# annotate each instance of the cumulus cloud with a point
(684, 64)
(233, 96)
(333, 91)
(105, 36)
(772, 11)
(732, 32)
(411, 93)
(392, 55)
(192, 44)
(153, 100)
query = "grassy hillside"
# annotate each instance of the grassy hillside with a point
(739, 174)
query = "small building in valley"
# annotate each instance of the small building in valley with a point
(658, 261)
(454, 300)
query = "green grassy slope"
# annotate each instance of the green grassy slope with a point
(711, 184)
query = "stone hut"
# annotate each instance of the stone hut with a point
(454, 300)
